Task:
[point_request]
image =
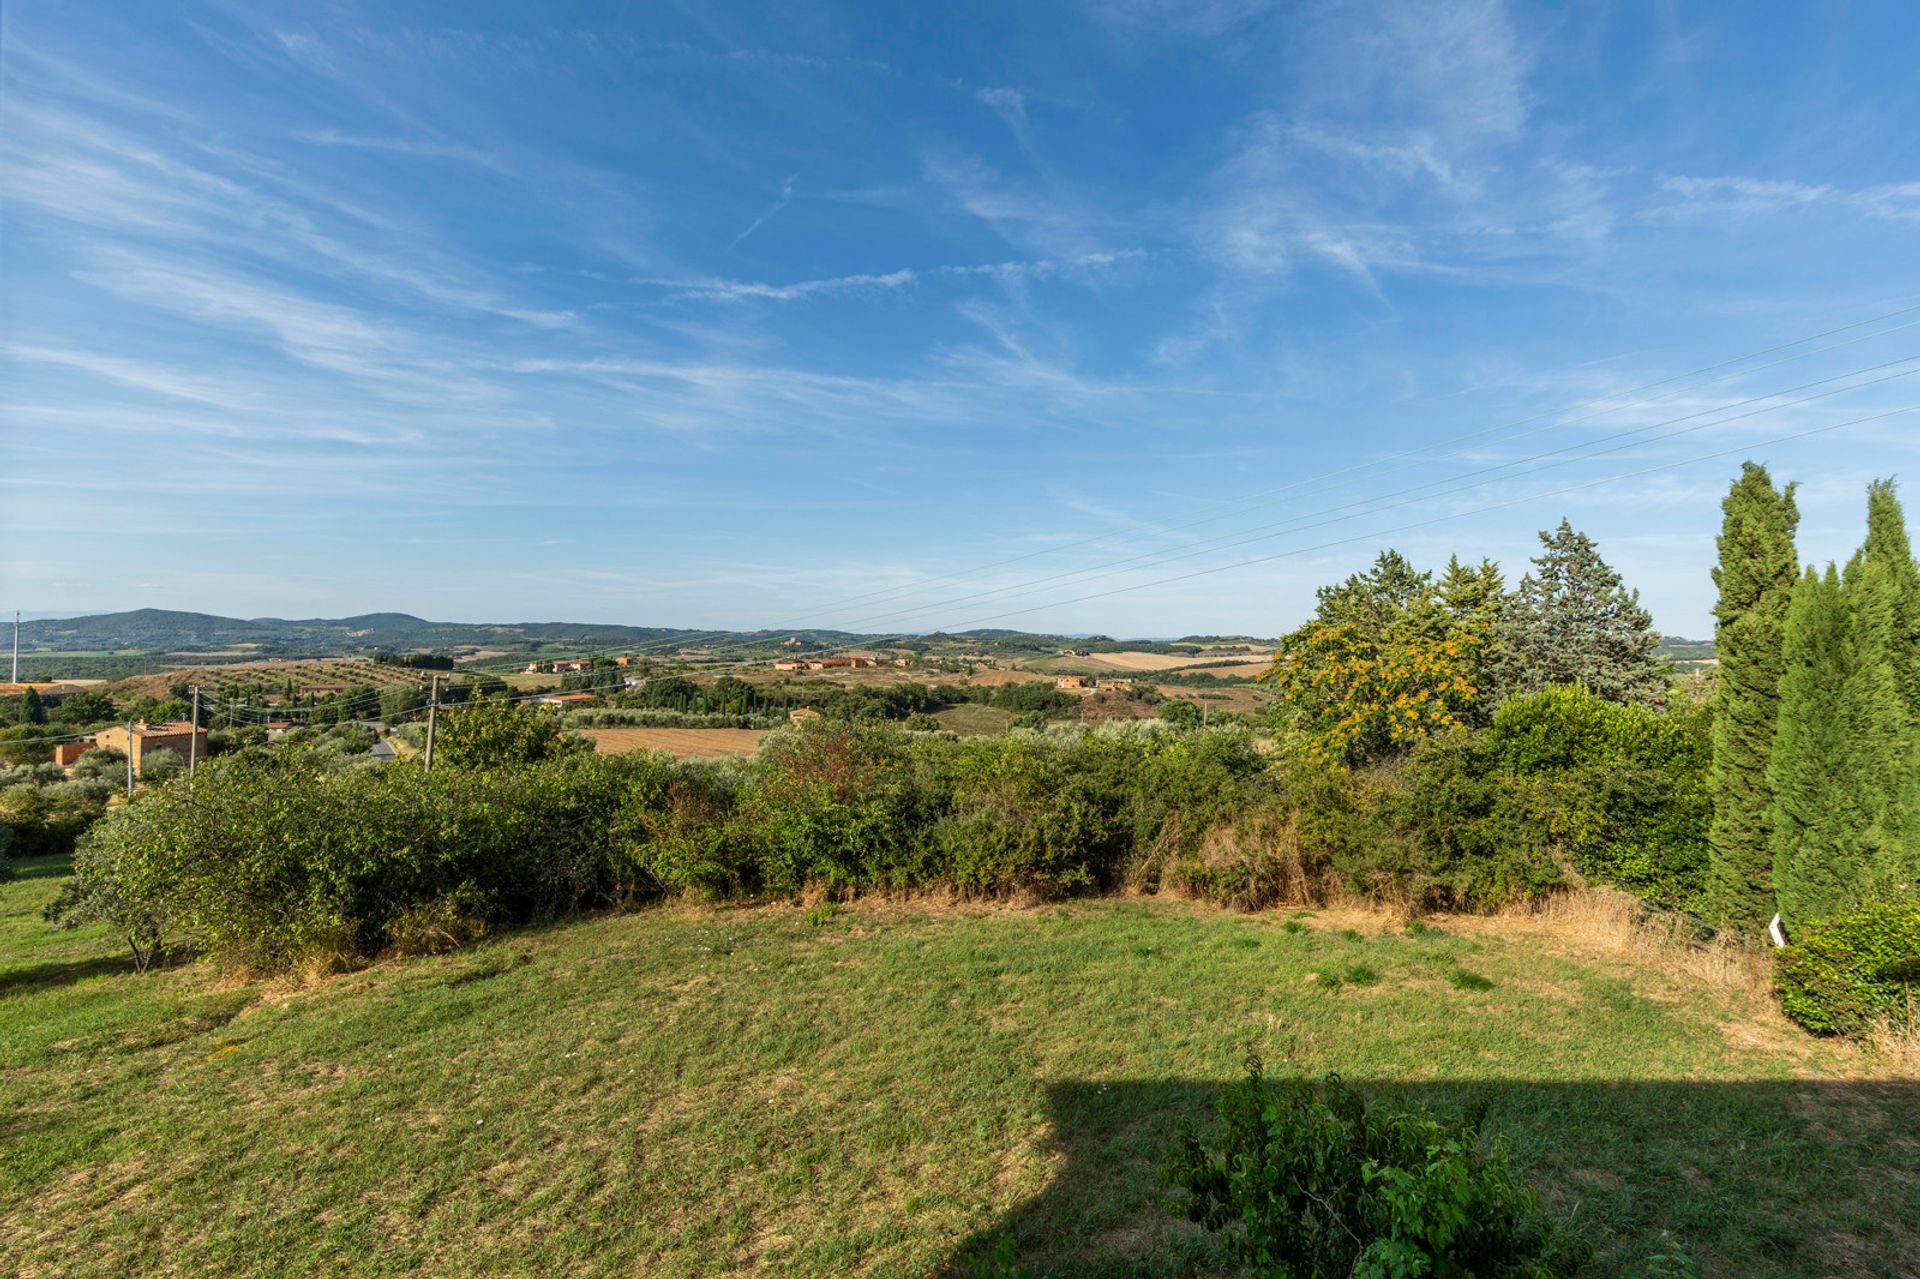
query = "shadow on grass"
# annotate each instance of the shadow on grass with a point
(32, 977)
(1781, 1178)
(51, 866)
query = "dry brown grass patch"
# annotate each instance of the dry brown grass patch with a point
(1898, 1048)
(1606, 921)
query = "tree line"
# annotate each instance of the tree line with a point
(1816, 763)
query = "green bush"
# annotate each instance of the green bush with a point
(836, 806)
(1623, 790)
(491, 734)
(1466, 835)
(260, 861)
(1316, 1183)
(161, 765)
(1855, 972)
(1029, 814)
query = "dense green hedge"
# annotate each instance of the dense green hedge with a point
(1855, 972)
(1622, 790)
(267, 858)
(270, 856)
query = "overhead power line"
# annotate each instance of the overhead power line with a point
(1454, 515)
(1551, 419)
(1479, 478)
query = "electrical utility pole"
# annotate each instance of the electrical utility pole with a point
(193, 742)
(433, 710)
(129, 759)
(16, 646)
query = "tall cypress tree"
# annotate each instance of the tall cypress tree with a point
(1572, 621)
(1818, 819)
(1882, 589)
(1887, 544)
(1756, 576)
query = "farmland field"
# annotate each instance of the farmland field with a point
(1241, 669)
(887, 1089)
(1233, 697)
(688, 743)
(970, 719)
(216, 679)
(1117, 662)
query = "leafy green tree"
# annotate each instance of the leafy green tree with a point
(1471, 595)
(488, 734)
(161, 764)
(1470, 605)
(1756, 576)
(1346, 698)
(400, 700)
(89, 706)
(1574, 622)
(1381, 602)
(1818, 818)
(102, 762)
(1895, 579)
(1178, 713)
(32, 709)
(488, 686)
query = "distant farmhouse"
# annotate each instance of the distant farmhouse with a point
(65, 753)
(178, 736)
(842, 663)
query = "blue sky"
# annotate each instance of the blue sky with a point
(902, 317)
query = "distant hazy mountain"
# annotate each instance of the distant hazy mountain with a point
(153, 629)
(1674, 649)
(164, 631)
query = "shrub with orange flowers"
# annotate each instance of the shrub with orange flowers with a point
(1350, 697)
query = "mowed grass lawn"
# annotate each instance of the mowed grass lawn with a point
(887, 1089)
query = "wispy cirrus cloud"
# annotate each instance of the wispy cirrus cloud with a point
(80, 170)
(326, 336)
(715, 289)
(1750, 197)
(1445, 81)
(425, 148)
(1043, 221)
(1011, 106)
(782, 201)
(720, 290)
(142, 375)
